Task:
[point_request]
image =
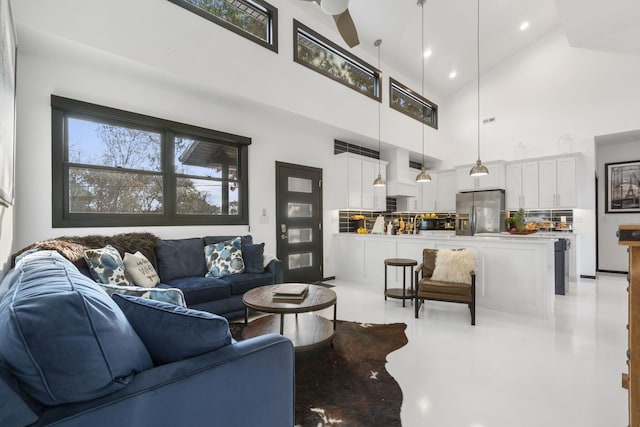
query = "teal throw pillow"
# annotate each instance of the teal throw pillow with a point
(224, 258)
(106, 266)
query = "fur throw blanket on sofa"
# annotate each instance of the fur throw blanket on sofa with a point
(73, 247)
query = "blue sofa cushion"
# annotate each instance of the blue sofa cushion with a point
(253, 256)
(63, 337)
(245, 240)
(241, 283)
(199, 288)
(224, 258)
(180, 258)
(170, 295)
(106, 266)
(173, 333)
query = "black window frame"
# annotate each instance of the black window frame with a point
(62, 108)
(270, 10)
(393, 84)
(344, 54)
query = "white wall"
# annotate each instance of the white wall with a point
(275, 136)
(539, 94)
(7, 236)
(175, 65)
(231, 84)
(612, 256)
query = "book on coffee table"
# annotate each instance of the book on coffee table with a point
(290, 292)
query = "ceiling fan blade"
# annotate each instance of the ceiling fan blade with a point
(347, 28)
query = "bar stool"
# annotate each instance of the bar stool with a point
(403, 293)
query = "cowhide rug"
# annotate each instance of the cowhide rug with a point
(346, 384)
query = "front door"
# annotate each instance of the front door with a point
(299, 222)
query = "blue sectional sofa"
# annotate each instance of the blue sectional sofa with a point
(181, 263)
(70, 355)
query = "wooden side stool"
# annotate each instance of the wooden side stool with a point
(403, 293)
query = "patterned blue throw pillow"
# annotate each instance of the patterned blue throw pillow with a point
(224, 258)
(106, 266)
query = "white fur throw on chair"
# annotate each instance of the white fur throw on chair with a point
(454, 265)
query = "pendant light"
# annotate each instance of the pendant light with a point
(478, 169)
(423, 176)
(379, 181)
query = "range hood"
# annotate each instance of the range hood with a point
(400, 183)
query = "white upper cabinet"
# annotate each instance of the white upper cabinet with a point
(557, 182)
(495, 179)
(446, 198)
(439, 195)
(522, 185)
(352, 183)
(429, 193)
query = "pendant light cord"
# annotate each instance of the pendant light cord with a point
(379, 42)
(422, 81)
(478, 63)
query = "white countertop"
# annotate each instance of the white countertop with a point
(477, 239)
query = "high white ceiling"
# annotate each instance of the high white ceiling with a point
(450, 28)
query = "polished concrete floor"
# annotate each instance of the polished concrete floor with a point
(508, 370)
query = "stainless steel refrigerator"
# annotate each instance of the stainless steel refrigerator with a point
(480, 212)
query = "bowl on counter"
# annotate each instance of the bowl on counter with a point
(529, 231)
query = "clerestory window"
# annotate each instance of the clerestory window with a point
(325, 57)
(412, 104)
(116, 168)
(255, 20)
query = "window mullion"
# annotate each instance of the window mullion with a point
(169, 174)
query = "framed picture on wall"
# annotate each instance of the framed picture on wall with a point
(7, 103)
(622, 187)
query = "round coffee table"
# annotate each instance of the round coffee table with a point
(305, 330)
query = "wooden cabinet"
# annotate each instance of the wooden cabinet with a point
(630, 235)
(521, 185)
(557, 182)
(352, 183)
(495, 179)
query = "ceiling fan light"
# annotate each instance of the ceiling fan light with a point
(479, 169)
(379, 181)
(423, 176)
(334, 7)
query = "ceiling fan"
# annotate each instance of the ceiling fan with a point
(340, 12)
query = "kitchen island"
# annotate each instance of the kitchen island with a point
(513, 275)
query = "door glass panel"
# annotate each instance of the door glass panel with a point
(300, 235)
(299, 185)
(303, 260)
(299, 210)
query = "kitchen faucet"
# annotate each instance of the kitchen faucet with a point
(415, 223)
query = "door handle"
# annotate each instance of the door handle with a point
(283, 236)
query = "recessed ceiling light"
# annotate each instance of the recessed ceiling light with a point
(524, 25)
(427, 53)
(452, 75)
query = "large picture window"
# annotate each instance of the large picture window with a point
(255, 20)
(116, 168)
(319, 54)
(412, 104)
